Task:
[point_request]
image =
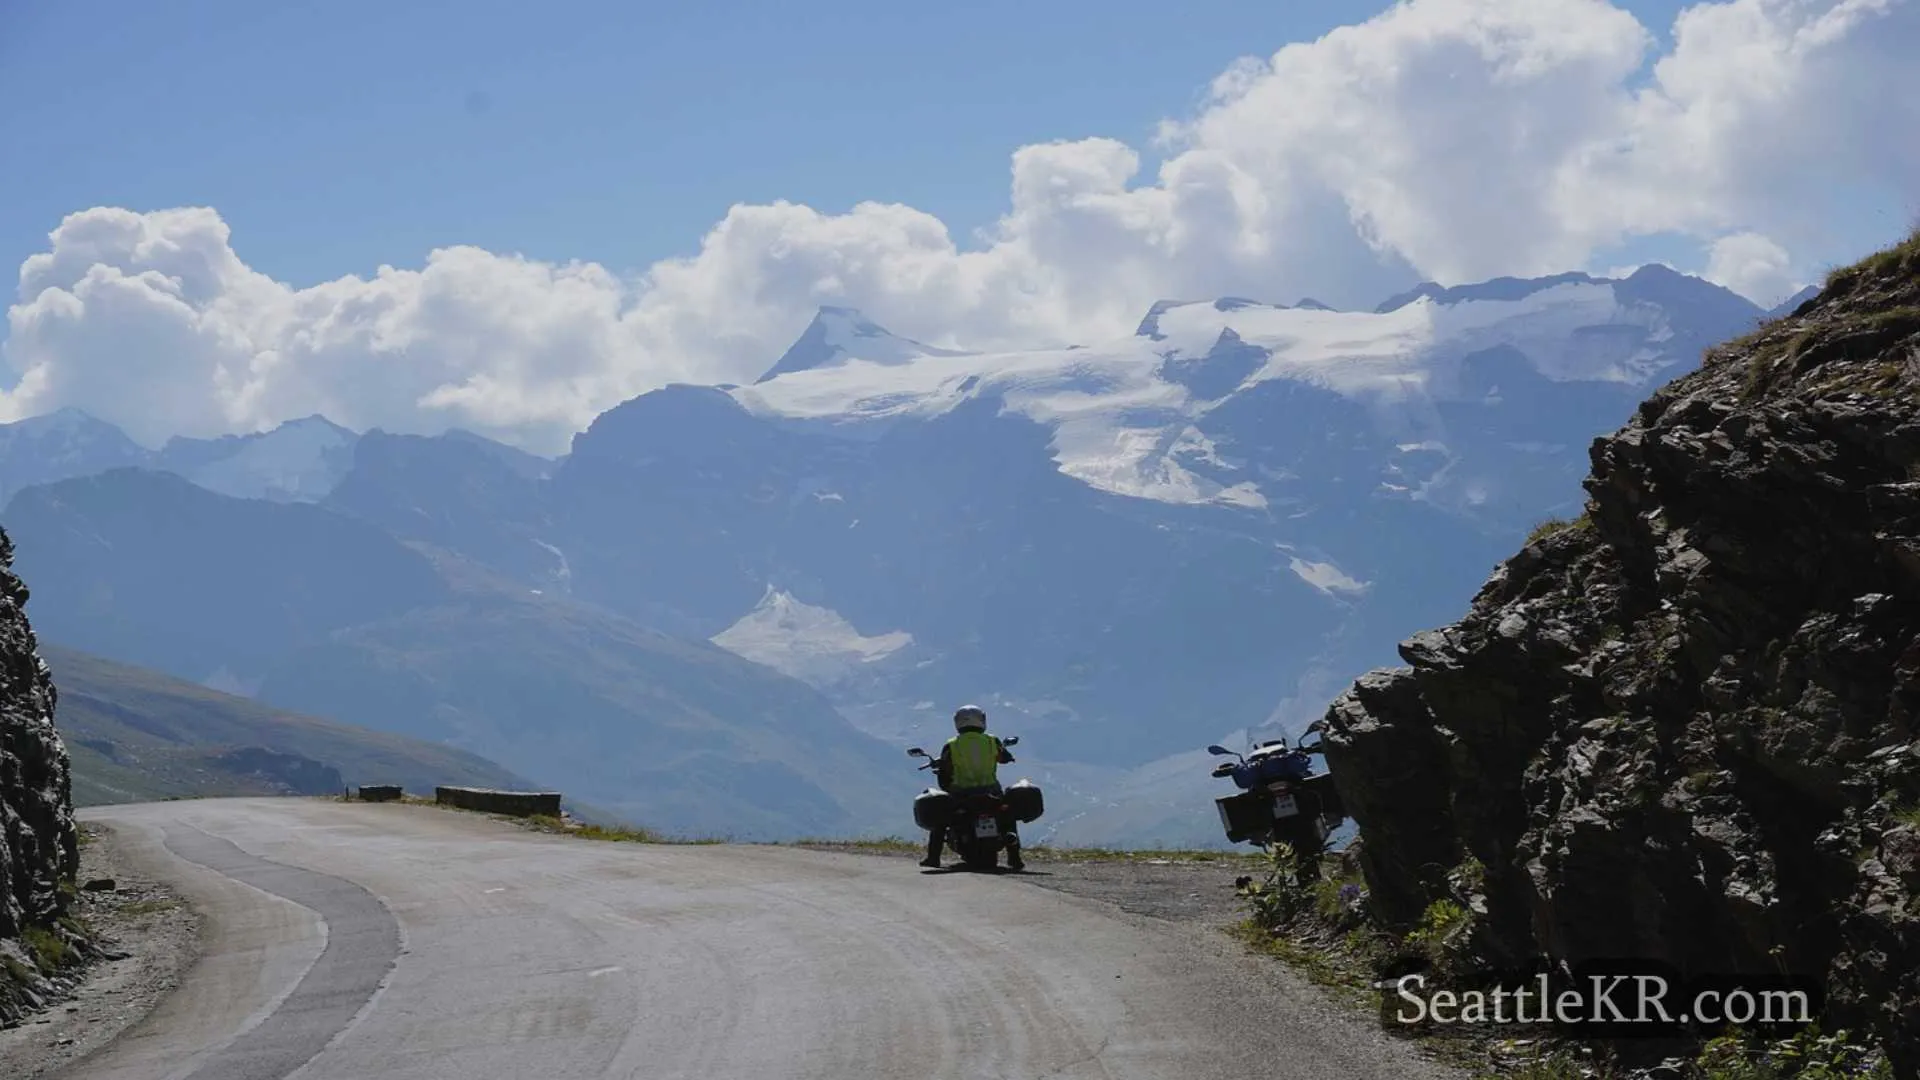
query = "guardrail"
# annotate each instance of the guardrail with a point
(517, 803)
(380, 792)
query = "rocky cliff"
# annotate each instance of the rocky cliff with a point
(38, 845)
(1682, 727)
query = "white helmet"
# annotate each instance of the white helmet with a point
(970, 718)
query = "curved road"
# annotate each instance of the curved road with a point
(360, 941)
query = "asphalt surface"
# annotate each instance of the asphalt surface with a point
(347, 942)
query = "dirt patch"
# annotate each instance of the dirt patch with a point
(1198, 890)
(149, 936)
(1172, 889)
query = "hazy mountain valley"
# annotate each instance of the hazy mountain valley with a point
(728, 608)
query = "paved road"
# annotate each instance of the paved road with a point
(360, 941)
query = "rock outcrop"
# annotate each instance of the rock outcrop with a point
(1682, 727)
(39, 851)
(294, 774)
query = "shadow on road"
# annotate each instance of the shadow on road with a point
(996, 871)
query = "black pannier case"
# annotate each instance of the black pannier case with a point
(1246, 816)
(932, 809)
(1026, 801)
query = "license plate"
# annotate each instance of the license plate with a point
(1285, 806)
(986, 827)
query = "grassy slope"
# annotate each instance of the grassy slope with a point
(680, 736)
(136, 734)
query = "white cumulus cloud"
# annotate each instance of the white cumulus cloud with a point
(1445, 139)
(1751, 265)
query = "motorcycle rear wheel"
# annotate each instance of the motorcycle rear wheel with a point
(978, 856)
(1303, 835)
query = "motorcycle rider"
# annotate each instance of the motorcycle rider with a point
(969, 763)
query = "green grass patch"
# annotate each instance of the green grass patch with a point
(1901, 258)
(1701, 780)
(1779, 346)
(1554, 526)
(1900, 320)
(1769, 357)
(1543, 1060)
(49, 950)
(1341, 967)
(16, 969)
(1807, 1055)
(886, 845)
(1545, 1065)
(619, 834)
(1320, 928)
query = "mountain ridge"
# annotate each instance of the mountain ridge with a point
(1123, 550)
(835, 334)
(315, 611)
(135, 734)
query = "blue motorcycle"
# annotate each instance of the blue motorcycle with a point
(1281, 799)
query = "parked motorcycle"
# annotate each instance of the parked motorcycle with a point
(1281, 799)
(980, 824)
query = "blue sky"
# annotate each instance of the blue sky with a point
(582, 201)
(335, 137)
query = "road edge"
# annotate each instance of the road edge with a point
(151, 935)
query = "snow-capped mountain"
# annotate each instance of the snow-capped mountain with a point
(58, 445)
(1169, 413)
(1131, 540)
(814, 645)
(838, 333)
(1124, 550)
(298, 461)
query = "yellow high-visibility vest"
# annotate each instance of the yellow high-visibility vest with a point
(976, 759)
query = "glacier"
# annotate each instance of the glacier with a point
(1128, 417)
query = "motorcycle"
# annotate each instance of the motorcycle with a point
(979, 824)
(1281, 799)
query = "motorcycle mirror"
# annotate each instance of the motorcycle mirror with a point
(916, 752)
(1218, 750)
(1011, 740)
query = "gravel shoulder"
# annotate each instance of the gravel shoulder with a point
(1174, 889)
(150, 936)
(1197, 889)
